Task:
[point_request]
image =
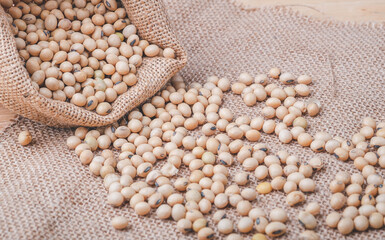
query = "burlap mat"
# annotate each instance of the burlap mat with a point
(45, 193)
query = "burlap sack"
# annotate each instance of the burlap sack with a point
(18, 95)
(45, 192)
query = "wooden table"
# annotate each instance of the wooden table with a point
(343, 10)
(5, 117)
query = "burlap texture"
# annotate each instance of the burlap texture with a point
(47, 194)
(18, 95)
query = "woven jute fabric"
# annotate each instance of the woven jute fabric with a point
(18, 94)
(45, 193)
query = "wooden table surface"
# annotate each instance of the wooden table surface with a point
(343, 10)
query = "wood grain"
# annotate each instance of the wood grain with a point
(6, 117)
(344, 10)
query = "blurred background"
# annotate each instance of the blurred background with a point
(344, 10)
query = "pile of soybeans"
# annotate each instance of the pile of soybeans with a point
(155, 142)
